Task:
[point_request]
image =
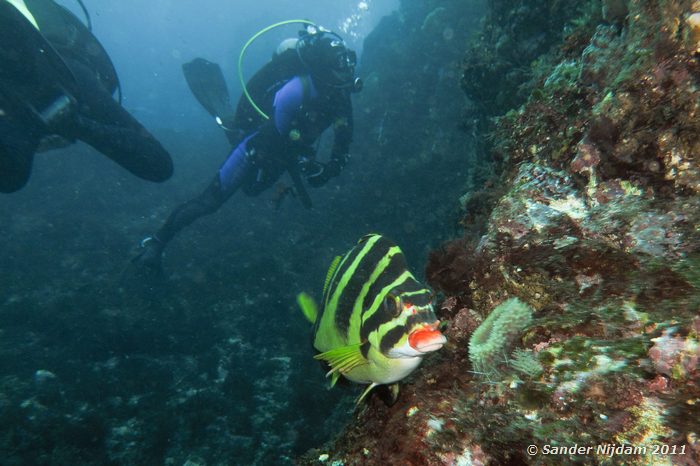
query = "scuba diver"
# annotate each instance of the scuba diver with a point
(305, 89)
(56, 86)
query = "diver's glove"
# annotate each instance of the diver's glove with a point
(319, 176)
(335, 166)
(312, 171)
(322, 173)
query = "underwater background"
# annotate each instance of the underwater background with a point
(548, 151)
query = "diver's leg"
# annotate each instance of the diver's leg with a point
(183, 215)
(109, 128)
(231, 176)
(134, 148)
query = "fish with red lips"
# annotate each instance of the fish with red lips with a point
(377, 321)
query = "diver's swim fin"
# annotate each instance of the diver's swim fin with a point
(208, 85)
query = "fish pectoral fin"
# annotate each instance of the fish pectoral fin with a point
(308, 306)
(342, 360)
(394, 393)
(334, 378)
(366, 392)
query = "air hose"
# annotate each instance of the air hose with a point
(87, 15)
(88, 20)
(250, 41)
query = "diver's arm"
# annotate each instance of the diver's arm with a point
(340, 153)
(343, 128)
(129, 145)
(108, 127)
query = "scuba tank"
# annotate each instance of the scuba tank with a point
(262, 87)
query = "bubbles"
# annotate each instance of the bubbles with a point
(350, 24)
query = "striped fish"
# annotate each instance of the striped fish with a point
(377, 321)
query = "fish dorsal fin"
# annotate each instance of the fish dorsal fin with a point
(308, 306)
(342, 360)
(331, 271)
(366, 237)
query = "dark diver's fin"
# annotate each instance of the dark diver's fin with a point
(207, 83)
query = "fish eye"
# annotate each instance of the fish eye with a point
(393, 306)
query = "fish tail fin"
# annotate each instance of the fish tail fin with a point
(308, 306)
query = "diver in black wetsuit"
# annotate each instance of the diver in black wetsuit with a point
(316, 78)
(56, 86)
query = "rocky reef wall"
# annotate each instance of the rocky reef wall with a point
(410, 152)
(592, 220)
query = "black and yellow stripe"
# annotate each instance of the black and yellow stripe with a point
(377, 321)
(364, 295)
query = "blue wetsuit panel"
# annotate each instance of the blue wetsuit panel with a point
(234, 170)
(287, 103)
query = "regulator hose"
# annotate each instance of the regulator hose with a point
(250, 41)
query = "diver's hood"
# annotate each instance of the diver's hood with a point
(328, 60)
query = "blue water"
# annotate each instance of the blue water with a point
(213, 364)
(149, 42)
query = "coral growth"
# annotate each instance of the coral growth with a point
(490, 341)
(526, 363)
